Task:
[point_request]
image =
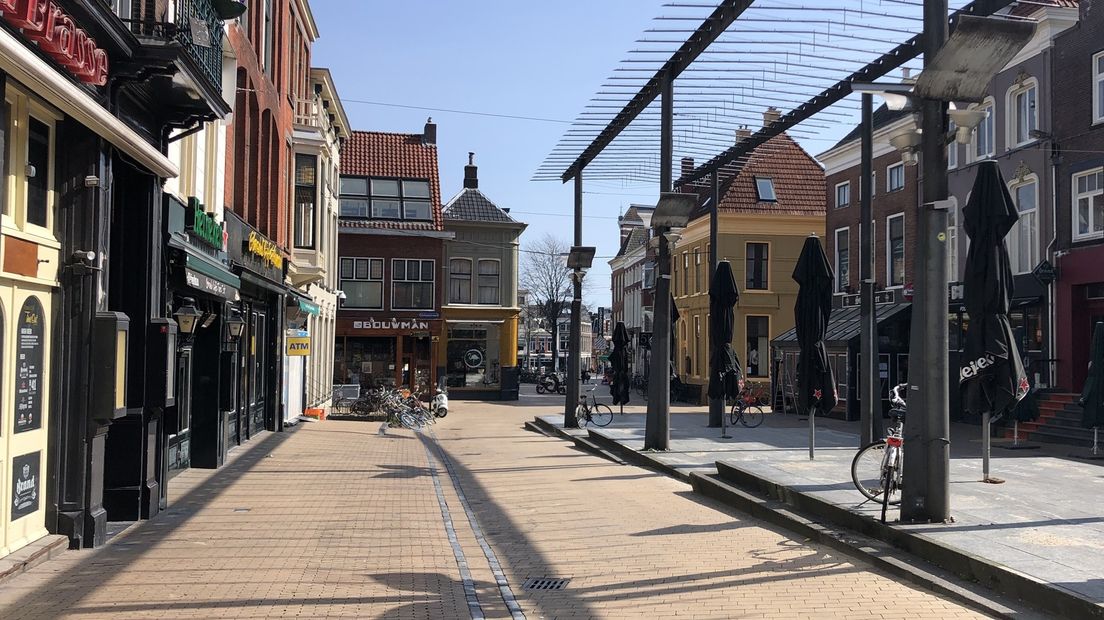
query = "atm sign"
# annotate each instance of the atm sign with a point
(298, 345)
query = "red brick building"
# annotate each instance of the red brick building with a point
(390, 260)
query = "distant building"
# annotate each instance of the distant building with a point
(632, 282)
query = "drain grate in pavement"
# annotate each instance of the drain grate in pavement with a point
(544, 583)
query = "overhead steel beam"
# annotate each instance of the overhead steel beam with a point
(880, 67)
(721, 18)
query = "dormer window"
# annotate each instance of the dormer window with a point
(765, 188)
(388, 199)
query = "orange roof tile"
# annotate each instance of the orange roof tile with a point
(403, 155)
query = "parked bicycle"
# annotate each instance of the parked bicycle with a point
(596, 412)
(551, 384)
(876, 469)
(640, 384)
(746, 410)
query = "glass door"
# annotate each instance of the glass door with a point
(259, 353)
(180, 448)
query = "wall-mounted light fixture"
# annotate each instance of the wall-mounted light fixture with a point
(187, 315)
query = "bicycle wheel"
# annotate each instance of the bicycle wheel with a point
(867, 473)
(734, 415)
(601, 415)
(409, 420)
(540, 388)
(580, 416)
(752, 417)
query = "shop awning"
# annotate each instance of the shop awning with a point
(844, 325)
(23, 65)
(264, 283)
(205, 274)
(304, 303)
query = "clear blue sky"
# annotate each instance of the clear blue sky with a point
(537, 59)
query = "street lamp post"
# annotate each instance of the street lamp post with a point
(578, 261)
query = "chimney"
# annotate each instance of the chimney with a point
(471, 179)
(770, 115)
(906, 74)
(687, 165)
(429, 136)
(742, 132)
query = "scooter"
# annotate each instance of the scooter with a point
(440, 403)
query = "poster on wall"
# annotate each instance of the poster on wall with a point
(28, 367)
(25, 481)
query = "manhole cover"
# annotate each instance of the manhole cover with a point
(544, 583)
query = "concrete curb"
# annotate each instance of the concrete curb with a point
(41, 550)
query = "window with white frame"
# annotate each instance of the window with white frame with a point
(489, 270)
(389, 199)
(411, 284)
(984, 133)
(306, 189)
(1023, 115)
(843, 259)
(952, 148)
(362, 283)
(1023, 239)
(952, 240)
(1098, 88)
(1088, 204)
(895, 177)
(764, 186)
(460, 280)
(895, 250)
(843, 194)
(30, 138)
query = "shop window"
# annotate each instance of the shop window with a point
(895, 250)
(390, 199)
(28, 164)
(411, 284)
(758, 346)
(1023, 114)
(757, 266)
(1088, 204)
(472, 356)
(984, 134)
(460, 281)
(843, 194)
(843, 259)
(1023, 239)
(362, 283)
(895, 177)
(488, 281)
(306, 168)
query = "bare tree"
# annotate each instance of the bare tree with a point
(545, 275)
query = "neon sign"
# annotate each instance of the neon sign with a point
(56, 34)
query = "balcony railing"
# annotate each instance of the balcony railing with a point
(193, 24)
(311, 113)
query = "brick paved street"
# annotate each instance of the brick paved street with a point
(333, 519)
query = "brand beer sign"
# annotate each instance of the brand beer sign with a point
(204, 225)
(264, 249)
(56, 34)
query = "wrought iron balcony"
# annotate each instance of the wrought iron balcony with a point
(194, 25)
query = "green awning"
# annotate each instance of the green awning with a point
(211, 269)
(309, 307)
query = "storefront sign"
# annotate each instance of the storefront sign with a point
(391, 324)
(25, 485)
(265, 249)
(473, 358)
(58, 36)
(1044, 272)
(203, 225)
(299, 344)
(28, 367)
(203, 283)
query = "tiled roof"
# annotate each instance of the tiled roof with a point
(403, 155)
(798, 182)
(881, 117)
(472, 206)
(637, 237)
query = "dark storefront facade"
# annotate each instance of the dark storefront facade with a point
(392, 352)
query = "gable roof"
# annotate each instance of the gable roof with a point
(798, 182)
(471, 205)
(401, 155)
(637, 237)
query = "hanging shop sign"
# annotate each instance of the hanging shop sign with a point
(265, 249)
(28, 367)
(58, 36)
(210, 285)
(391, 324)
(298, 343)
(204, 226)
(25, 485)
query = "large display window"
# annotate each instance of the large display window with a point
(472, 356)
(369, 362)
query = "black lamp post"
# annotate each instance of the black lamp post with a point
(579, 259)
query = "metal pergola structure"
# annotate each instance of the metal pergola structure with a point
(615, 138)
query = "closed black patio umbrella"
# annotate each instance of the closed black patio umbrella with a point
(619, 361)
(992, 378)
(816, 384)
(724, 368)
(1092, 396)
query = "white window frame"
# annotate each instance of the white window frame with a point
(1098, 88)
(991, 120)
(953, 215)
(382, 279)
(433, 283)
(841, 284)
(773, 190)
(889, 177)
(952, 148)
(1011, 119)
(471, 277)
(847, 185)
(476, 275)
(889, 251)
(1099, 191)
(24, 107)
(1013, 253)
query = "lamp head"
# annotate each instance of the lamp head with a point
(906, 142)
(965, 123)
(187, 315)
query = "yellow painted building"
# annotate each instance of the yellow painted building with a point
(766, 212)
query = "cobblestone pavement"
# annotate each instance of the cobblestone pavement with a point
(335, 519)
